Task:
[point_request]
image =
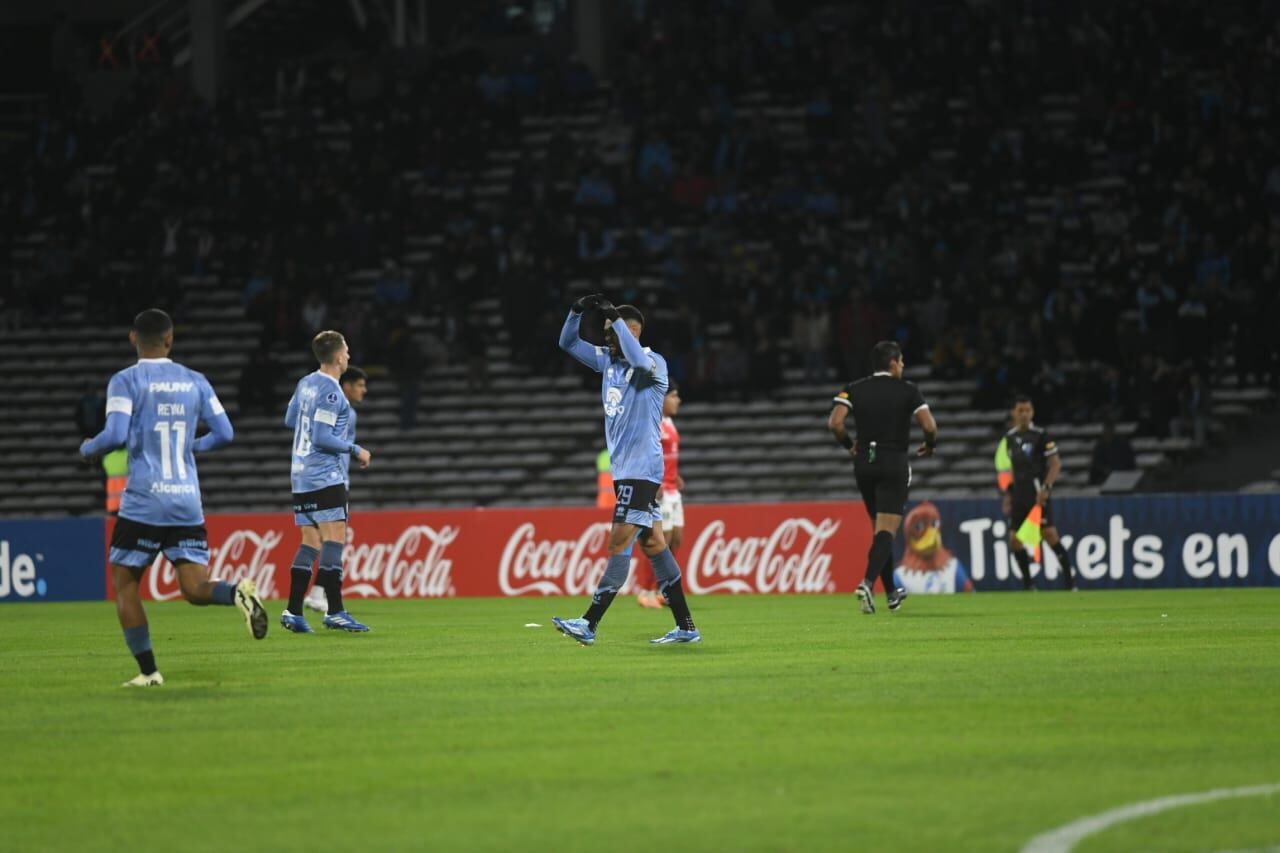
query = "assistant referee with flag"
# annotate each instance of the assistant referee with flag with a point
(1033, 460)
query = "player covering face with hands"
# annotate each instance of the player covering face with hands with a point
(634, 382)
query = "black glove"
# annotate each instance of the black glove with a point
(606, 308)
(590, 301)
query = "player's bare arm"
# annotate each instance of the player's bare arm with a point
(924, 417)
(1050, 477)
(836, 423)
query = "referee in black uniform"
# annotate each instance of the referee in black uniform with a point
(882, 406)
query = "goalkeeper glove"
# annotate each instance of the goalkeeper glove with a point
(586, 302)
(606, 308)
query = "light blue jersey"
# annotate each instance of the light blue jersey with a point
(351, 439)
(320, 417)
(153, 409)
(631, 390)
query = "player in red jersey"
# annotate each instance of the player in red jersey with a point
(669, 496)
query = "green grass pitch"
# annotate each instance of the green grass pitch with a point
(963, 723)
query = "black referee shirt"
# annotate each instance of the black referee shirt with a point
(883, 408)
(1029, 452)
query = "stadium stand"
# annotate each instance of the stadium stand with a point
(1113, 252)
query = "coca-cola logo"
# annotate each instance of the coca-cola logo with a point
(242, 554)
(790, 559)
(553, 566)
(414, 566)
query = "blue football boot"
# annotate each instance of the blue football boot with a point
(296, 624)
(578, 629)
(678, 635)
(343, 621)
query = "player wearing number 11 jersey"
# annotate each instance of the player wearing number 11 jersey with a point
(153, 410)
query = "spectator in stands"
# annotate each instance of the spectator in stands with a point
(315, 311)
(810, 333)
(1193, 410)
(91, 411)
(406, 364)
(1111, 452)
(595, 190)
(257, 384)
(595, 243)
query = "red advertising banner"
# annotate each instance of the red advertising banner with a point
(728, 548)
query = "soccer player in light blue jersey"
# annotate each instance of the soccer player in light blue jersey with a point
(320, 415)
(355, 385)
(633, 385)
(154, 409)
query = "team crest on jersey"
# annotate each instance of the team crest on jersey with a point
(332, 397)
(613, 402)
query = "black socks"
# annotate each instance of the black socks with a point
(1024, 566)
(674, 591)
(599, 604)
(879, 560)
(299, 580)
(146, 662)
(331, 582)
(1068, 575)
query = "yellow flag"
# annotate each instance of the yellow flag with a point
(1029, 533)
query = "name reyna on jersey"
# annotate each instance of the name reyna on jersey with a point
(171, 387)
(171, 409)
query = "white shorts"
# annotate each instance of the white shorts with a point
(672, 510)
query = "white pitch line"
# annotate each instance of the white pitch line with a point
(1065, 837)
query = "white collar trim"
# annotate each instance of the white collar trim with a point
(155, 361)
(883, 373)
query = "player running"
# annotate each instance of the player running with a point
(1036, 465)
(882, 406)
(634, 383)
(355, 384)
(320, 415)
(153, 409)
(669, 500)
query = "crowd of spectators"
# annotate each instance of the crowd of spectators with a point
(1081, 201)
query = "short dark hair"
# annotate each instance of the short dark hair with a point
(1022, 398)
(627, 313)
(152, 325)
(883, 353)
(672, 387)
(326, 345)
(352, 374)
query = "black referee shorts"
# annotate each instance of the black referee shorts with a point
(1020, 506)
(884, 481)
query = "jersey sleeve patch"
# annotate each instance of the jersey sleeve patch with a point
(123, 405)
(215, 406)
(326, 416)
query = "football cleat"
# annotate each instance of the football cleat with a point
(316, 600)
(255, 615)
(343, 621)
(896, 598)
(678, 635)
(295, 624)
(155, 679)
(578, 629)
(867, 598)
